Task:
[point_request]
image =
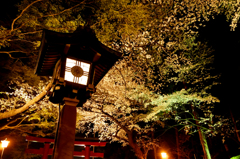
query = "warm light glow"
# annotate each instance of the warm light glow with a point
(164, 155)
(5, 143)
(69, 76)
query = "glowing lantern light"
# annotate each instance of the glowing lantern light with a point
(4, 145)
(76, 71)
(164, 155)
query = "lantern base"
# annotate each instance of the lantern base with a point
(60, 92)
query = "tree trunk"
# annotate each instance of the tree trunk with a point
(131, 134)
(155, 152)
(154, 147)
(177, 142)
(227, 150)
(235, 126)
(133, 144)
(210, 142)
(202, 137)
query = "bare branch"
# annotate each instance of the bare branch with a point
(22, 120)
(23, 41)
(33, 32)
(9, 54)
(22, 13)
(11, 122)
(49, 15)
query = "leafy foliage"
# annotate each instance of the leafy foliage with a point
(21, 39)
(236, 157)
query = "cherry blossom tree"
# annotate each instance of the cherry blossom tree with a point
(124, 109)
(28, 110)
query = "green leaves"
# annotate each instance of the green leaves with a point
(116, 19)
(236, 157)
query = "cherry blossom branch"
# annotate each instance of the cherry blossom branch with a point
(120, 138)
(116, 121)
(28, 104)
(123, 80)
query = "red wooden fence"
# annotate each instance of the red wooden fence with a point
(48, 151)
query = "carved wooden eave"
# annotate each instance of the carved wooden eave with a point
(81, 44)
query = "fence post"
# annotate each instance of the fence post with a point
(45, 150)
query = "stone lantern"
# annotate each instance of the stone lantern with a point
(77, 62)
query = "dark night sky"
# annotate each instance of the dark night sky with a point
(8, 11)
(226, 44)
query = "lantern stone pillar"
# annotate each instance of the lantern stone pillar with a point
(64, 142)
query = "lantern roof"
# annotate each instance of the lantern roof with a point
(80, 45)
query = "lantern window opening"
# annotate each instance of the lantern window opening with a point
(70, 63)
(5, 143)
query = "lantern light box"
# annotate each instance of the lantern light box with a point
(76, 71)
(79, 59)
